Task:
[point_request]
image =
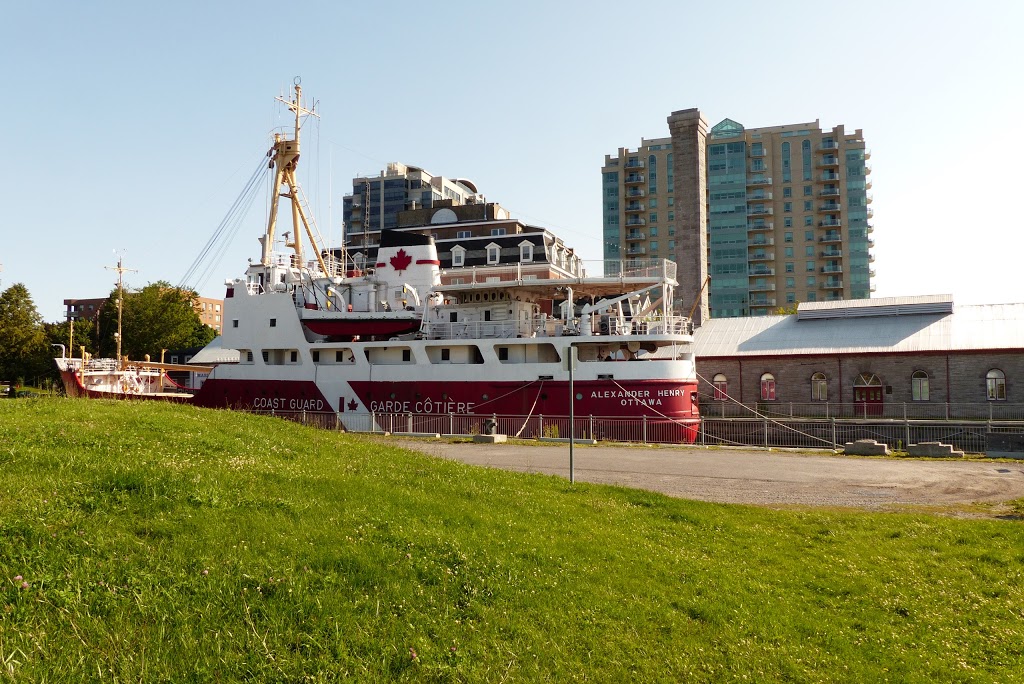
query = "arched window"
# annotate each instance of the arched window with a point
(819, 387)
(919, 386)
(995, 382)
(768, 387)
(721, 384)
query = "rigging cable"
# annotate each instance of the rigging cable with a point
(224, 234)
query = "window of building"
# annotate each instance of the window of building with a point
(810, 269)
(808, 205)
(652, 217)
(493, 253)
(653, 203)
(809, 235)
(808, 191)
(787, 173)
(812, 296)
(995, 381)
(790, 298)
(789, 236)
(808, 220)
(819, 387)
(767, 387)
(789, 267)
(787, 191)
(809, 250)
(790, 282)
(805, 147)
(462, 234)
(497, 231)
(654, 245)
(653, 231)
(787, 206)
(919, 386)
(525, 251)
(721, 385)
(458, 256)
(789, 252)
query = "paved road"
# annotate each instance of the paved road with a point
(759, 477)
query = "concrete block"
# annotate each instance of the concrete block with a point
(490, 439)
(1004, 445)
(933, 450)
(866, 447)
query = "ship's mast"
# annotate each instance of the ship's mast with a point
(121, 270)
(284, 157)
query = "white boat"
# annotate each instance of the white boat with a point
(319, 337)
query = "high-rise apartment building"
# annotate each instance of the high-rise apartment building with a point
(785, 213)
(376, 200)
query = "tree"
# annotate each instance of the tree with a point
(154, 318)
(788, 310)
(24, 353)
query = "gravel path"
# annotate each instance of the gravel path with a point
(762, 478)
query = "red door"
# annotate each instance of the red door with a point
(868, 400)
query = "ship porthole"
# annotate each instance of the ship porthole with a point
(485, 397)
(392, 395)
(579, 396)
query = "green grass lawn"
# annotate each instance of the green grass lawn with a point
(152, 542)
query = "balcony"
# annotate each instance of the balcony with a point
(867, 169)
(828, 177)
(830, 207)
(762, 301)
(635, 179)
(831, 269)
(832, 237)
(832, 284)
(634, 164)
(868, 198)
(636, 192)
(636, 235)
(829, 223)
(829, 192)
(756, 152)
(758, 180)
(755, 227)
(831, 253)
(759, 196)
(827, 161)
(871, 227)
(871, 272)
(636, 250)
(760, 211)
(761, 256)
(828, 145)
(871, 243)
(760, 271)
(871, 212)
(635, 206)
(867, 153)
(636, 221)
(761, 287)
(761, 241)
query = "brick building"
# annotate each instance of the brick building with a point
(913, 350)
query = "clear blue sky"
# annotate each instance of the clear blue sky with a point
(132, 126)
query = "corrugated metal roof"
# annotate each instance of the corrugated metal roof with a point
(969, 327)
(882, 306)
(215, 353)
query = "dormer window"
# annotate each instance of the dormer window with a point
(493, 254)
(458, 256)
(525, 251)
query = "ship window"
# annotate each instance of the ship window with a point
(339, 356)
(406, 355)
(248, 356)
(273, 322)
(446, 354)
(294, 356)
(503, 353)
(266, 356)
(316, 357)
(234, 323)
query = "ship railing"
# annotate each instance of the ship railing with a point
(545, 326)
(655, 269)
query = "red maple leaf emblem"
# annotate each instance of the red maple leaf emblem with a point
(401, 260)
(352, 405)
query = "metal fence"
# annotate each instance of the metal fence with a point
(760, 432)
(988, 411)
